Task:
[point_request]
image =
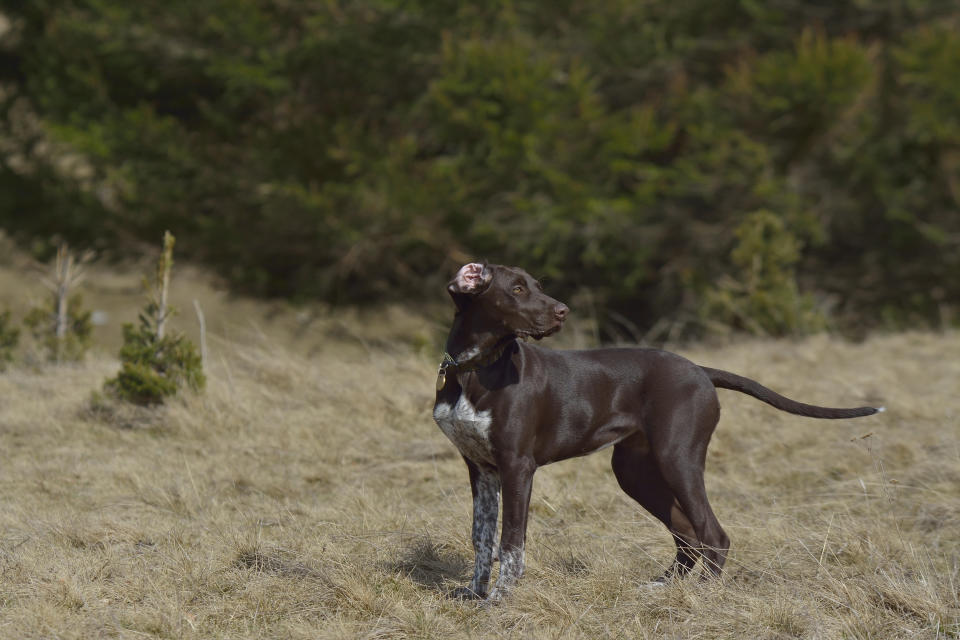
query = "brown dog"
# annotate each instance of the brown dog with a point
(511, 407)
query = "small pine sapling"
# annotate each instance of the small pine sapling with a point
(156, 363)
(62, 328)
(9, 337)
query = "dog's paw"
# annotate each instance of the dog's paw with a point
(663, 581)
(497, 595)
(465, 593)
(659, 583)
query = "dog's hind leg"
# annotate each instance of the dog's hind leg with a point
(688, 487)
(679, 427)
(682, 466)
(640, 478)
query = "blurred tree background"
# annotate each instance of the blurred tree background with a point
(774, 166)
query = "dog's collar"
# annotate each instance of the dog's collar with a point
(471, 364)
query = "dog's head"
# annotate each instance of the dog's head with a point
(506, 299)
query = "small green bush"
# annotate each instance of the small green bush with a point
(42, 322)
(155, 368)
(9, 337)
(763, 297)
(156, 364)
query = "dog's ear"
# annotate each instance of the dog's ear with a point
(472, 279)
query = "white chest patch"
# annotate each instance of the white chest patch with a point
(466, 427)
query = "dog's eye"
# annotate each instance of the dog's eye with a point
(517, 290)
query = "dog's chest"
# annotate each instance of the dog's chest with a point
(466, 427)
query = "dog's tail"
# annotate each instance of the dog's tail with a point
(726, 380)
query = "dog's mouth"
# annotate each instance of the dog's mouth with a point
(539, 334)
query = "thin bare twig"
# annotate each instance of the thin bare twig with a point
(203, 334)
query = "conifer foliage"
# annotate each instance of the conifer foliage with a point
(62, 328)
(155, 362)
(614, 146)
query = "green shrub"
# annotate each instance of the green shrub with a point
(153, 368)
(155, 364)
(763, 297)
(9, 337)
(73, 345)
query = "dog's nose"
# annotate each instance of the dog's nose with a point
(561, 310)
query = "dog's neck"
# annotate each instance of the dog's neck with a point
(470, 342)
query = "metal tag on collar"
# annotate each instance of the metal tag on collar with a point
(442, 372)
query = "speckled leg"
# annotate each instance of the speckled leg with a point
(485, 485)
(512, 564)
(517, 475)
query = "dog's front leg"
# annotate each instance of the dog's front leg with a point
(516, 474)
(485, 486)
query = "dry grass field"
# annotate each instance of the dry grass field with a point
(308, 494)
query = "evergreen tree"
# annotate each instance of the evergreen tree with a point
(155, 363)
(298, 148)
